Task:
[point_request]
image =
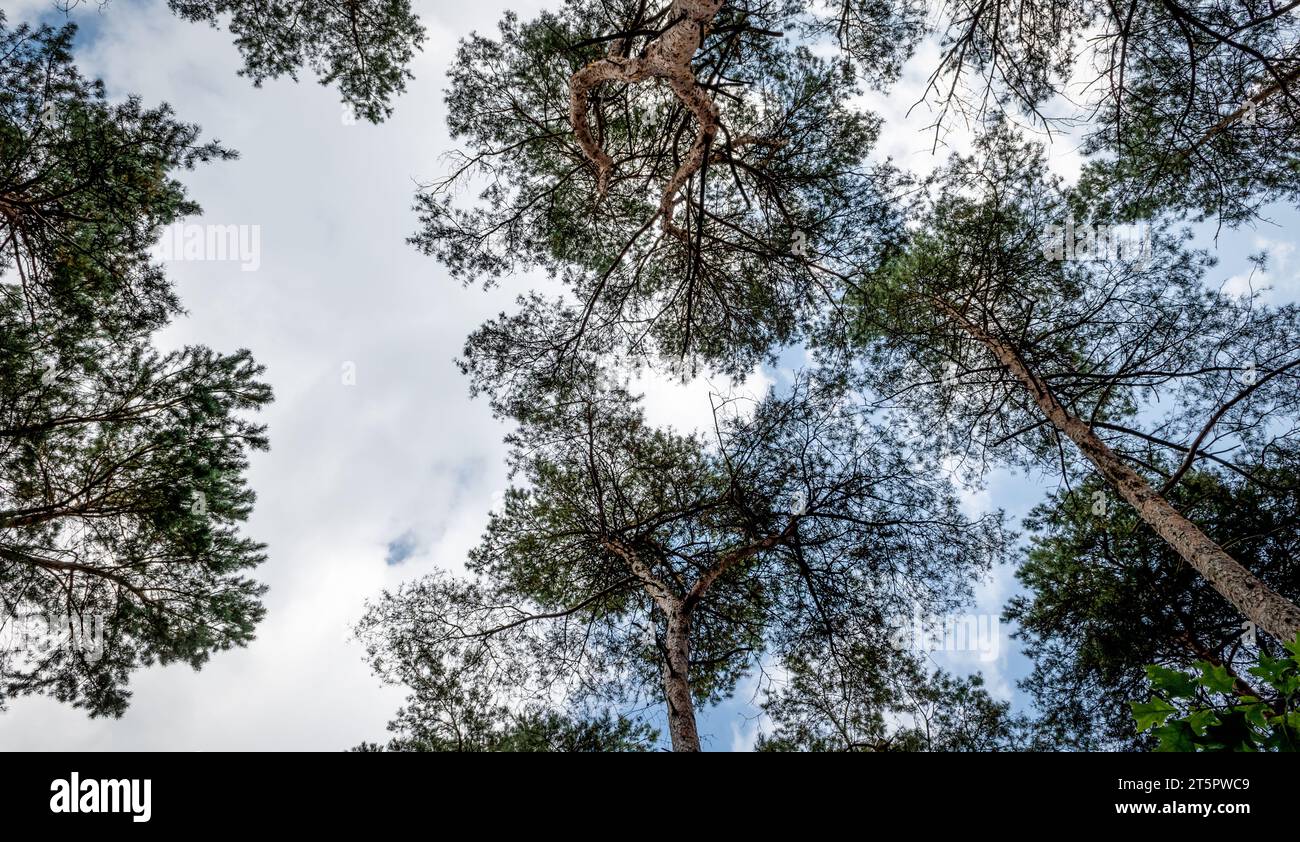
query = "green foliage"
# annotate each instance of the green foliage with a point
(364, 47)
(961, 329)
(86, 185)
(1106, 600)
(724, 283)
(1192, 105)
(1133, 341)
(1214, 710)
(807, 527)
(121, 468)
(883, 700)
(441, 715)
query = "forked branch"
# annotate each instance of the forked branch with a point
(666, 57)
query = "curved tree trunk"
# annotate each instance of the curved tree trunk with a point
(1262, 605)
(667, 57)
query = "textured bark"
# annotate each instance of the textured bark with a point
(677, 685)
(1259, 603)
(658, 591)
(676, 651)
(667, 57)
(731, 559)
(677, 638)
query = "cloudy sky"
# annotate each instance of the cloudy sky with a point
(370, 484)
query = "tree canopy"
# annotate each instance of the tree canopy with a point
(633, 564)
(363, 47)
(703, 182)
(121, 467)
(704, 189)
(1105, 599)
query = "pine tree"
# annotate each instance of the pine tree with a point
(364, 47)
(980, 331)
(121, 467)
(699, 188)
(1191, 106)
(1106, 598)
(633, 564)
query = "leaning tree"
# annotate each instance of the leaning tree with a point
(1007, 350)
(650, 272)
(1105, 599)
(699, 187)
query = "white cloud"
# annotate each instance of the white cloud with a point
(352, 467)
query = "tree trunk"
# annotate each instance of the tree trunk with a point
(1263, 606)
(677, 688)
(677, 646)
(667, 57)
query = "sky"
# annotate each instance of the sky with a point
(381, 467)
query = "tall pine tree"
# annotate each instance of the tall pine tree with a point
(121, 468)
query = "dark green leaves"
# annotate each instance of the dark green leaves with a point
(1109, 607)
(1172, 682)
(811, 529)
(1152, 713)
(1210, 711)
(86, 186)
